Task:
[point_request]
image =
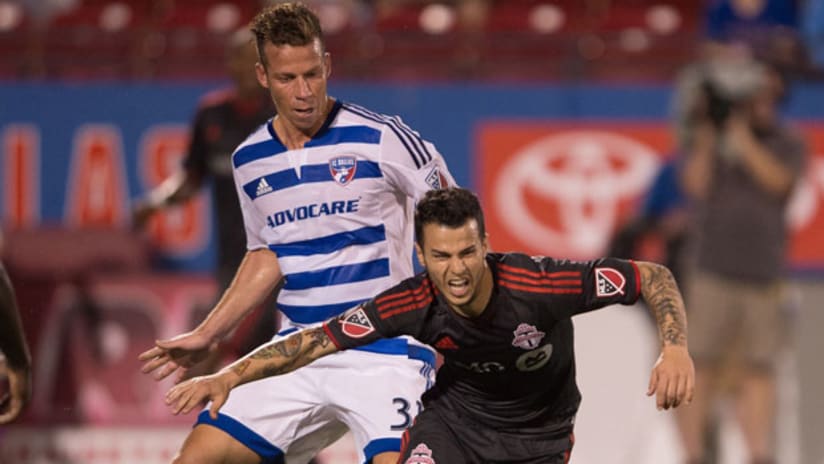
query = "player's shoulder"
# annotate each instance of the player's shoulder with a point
(258, 144)
(216, 98)
(412, 295)
(516, 261)
(354, 114)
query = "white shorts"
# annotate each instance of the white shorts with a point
(290, 418)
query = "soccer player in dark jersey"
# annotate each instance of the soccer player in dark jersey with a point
(506, 391)
(223, 120)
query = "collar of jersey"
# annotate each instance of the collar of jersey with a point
(333, 113)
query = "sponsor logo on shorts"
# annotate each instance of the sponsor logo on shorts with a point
(355, 324)
(527, 336)
(609, 282)
(343, 169)
(421, 455)
(436, 180)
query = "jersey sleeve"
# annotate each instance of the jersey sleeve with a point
(410, 163)
(195, 159)
(397, 311)
(581, 286)
(253, 220)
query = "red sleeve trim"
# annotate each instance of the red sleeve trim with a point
(331, 336)
(637, 280)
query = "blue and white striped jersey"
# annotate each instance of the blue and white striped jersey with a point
(338, 212)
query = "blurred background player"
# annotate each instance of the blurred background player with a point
(327, 191)
(15, 360)
(741, 164)
(223, 120)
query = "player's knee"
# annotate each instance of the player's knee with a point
(386, 458)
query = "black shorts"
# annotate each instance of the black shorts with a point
(435, 439)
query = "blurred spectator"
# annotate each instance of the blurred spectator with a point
(224, 119)
(763, 29)
(15, 359)
(741, 163)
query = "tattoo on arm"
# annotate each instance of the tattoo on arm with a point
(285, 355)
(661, 293)
(240, 368)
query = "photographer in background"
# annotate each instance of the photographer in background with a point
(740, 166)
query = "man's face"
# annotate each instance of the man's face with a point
(455, 261)
(296, 79)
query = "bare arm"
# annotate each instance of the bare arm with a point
(14, 347)
(673, 377)
(274, 358)
(179, 187)
(697, 173)
(257, 277)
(664, 300)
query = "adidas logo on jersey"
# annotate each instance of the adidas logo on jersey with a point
(446, 343)
(263, 187)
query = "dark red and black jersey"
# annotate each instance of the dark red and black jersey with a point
(513, 366)
(222, 122)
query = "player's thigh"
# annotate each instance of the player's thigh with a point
(377, 397)
(209, 445)
(431, 441)
(271, 415)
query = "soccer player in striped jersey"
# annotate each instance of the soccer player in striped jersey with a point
(502, 321)
(327, 191)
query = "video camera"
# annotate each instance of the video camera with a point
(727, 86)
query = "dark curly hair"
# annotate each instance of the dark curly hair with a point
(292, 24)
(451, 207)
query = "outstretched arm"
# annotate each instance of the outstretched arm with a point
(673, 377)
(274, 358)
(257, 277)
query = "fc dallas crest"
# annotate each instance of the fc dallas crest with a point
(355, 324)
(609, 282)
(343, 169)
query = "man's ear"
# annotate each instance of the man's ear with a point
(419, 253)
(260, 72)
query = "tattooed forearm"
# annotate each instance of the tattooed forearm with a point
(286, 348)
(318, 338)
(285, 355)
(661, 293)
(240, 367)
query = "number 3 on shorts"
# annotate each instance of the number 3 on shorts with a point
(403, 410)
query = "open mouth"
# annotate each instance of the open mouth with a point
(458, 287)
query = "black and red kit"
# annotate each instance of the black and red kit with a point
(506, 391)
